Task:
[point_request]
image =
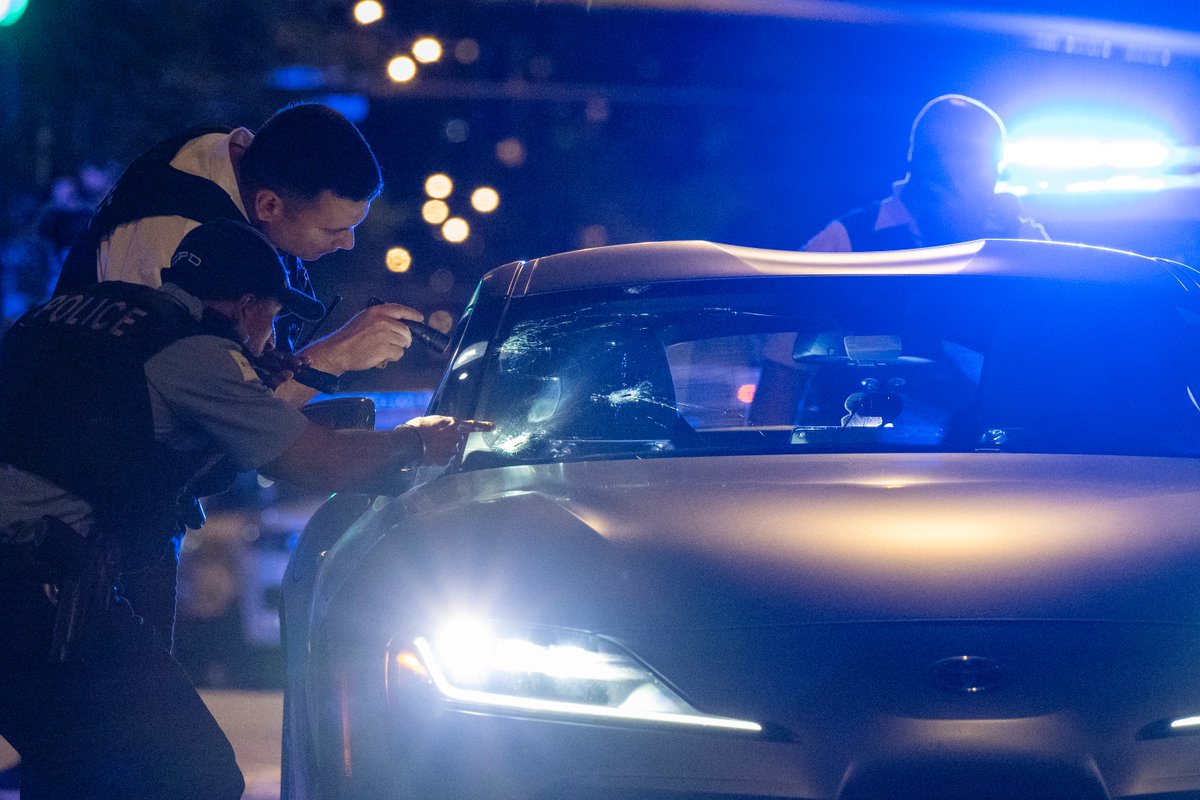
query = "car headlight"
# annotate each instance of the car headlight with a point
(551, 671)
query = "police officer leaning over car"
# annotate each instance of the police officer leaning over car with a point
(113, 399)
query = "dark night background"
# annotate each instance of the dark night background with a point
(638, 122)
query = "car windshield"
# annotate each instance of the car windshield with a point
(841, 364)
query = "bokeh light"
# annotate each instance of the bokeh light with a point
(435, 212)
(427, 50)
(367, 12)
(511, 152)
(398, 259)
(466, 51)
(457, 131)
(402, 69)
(456, 230)
(593, 236)
(442, 280)
(485, 199)
(439, 185)
(441, 320)
(596, 109)
(11, 11)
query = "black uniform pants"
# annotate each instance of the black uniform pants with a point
(125, 722)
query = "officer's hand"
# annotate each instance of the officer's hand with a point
(374, 337)
(443, 436)
(276, 367)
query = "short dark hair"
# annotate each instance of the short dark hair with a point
(308, 148)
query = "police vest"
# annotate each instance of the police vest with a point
(75, 405)
(151, 187)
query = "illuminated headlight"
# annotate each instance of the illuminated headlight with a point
(551, 671)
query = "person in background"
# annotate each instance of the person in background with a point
(115, 399)
(949, 195)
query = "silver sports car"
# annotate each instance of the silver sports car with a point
(755, 524)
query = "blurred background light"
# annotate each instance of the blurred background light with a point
(398, 259)
(1086, 153)
(485, 199)
(1118, 183)
(368, 11)
(402, 69)
(11, 11)
(596, 110)
(442, 280)
(441, 320)
(294, 77)
(510, 152)
(457, 131)
(439, 186)
(1084, 150)
(456, 230)
(435, 212)
(466, 51)
(427, 50)
(353, 107)
(593, 236)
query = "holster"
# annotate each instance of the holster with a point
(85, 593)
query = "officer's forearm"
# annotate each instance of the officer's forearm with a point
(295, 393)
(327, 355)
(345, 460)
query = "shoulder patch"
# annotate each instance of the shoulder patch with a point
(248, 373)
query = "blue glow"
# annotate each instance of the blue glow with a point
(1086, 153)
(353, 107)
(1089, 150)
(297, 78)
(11, 11)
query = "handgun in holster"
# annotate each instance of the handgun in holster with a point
(85, 592)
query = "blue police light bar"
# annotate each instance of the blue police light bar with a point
(1091, 151)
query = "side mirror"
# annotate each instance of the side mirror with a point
(342, 412)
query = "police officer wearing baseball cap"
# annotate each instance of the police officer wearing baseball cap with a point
(227, 258)
(113, 399)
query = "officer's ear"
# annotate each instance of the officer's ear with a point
(268, 205)
(245, 304)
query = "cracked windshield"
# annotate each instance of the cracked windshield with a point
(825, 364)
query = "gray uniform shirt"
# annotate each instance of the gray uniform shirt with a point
(203, 392)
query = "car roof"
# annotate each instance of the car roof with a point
(652, 262)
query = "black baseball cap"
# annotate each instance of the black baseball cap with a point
(226, 259)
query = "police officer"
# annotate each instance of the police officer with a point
(113, 398)
(956, 147)
(306, 179)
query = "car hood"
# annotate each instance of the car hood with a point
(817, 538)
